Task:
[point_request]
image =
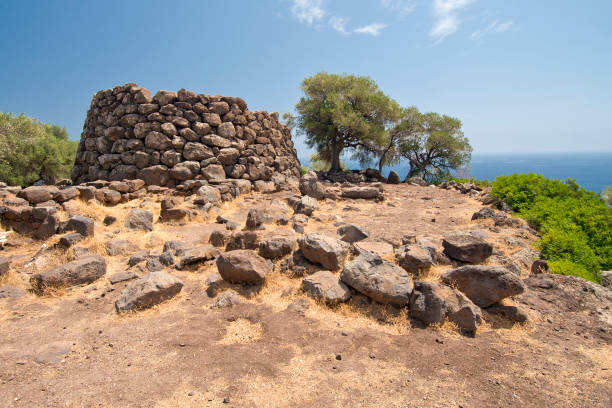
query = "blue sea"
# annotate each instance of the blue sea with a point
(593, 171)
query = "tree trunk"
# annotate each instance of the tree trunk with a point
(335, 163)
(380, 165)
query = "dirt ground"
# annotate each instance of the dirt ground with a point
(280, 349)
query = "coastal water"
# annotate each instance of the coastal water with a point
(593, 171)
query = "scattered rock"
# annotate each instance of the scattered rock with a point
(512, 313)
(121, 247)
(306, 205)
(310, 186)
(79, 272)
(466, 247)
(82, 225)
(326, 286)
(148, 291)
(5, 265)
(53, 353)
(255, 219)
(393, 178)
(541, 266)
(378, 279)
(228, 298)
(484, 285)
(277, 246)
(70, 239)
(327, 251)
(138, 257)
(122, 277)
(243, 266)
(198, 254)
(414, 258)
(139, 220)
(219, 238)
(352, 233)
(109, 220)
(367, 193)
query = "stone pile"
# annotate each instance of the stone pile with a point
(172, 137)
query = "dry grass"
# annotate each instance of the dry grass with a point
(242, 331)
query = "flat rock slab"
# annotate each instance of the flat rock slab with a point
(484, 285)
(326, 286)
(122, 277)
(467, 247)
(53, 353)
(148, 291)
(367, 193)
(82, 271)
(139, 220)
(378, 279)
(352, 233)
(243, 266)
(324, 250)
(121, 247)
(414, 258)
(11, 292)
(199, 254)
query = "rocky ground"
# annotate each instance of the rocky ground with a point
(247, 304)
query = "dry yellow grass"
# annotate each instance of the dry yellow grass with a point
(242, 331)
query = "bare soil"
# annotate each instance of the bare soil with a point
(280, 349)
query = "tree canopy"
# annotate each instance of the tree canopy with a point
(343, 111)
(347, 112)
(32, 151)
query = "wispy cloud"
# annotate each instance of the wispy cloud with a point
(447, 21)
(338, 24)
(403, 7)
(493, 28)
(372, 29)
(307, 11)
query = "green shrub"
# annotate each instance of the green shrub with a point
(565, 267)
(31, 151)
(304, 169)
(481, 183)
(576, 223)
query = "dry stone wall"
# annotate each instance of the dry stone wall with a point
(173, 137)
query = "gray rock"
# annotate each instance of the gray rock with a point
(310, 186)
(148, 291)
(378, 279)
(121, 247)
(243, 266)
(352, 233)
(432, 303)
(512, 313)
(227, 299)
(4, 266)
(82, 225)
(326, 251)
(506, 262)
(175, 247)
(167, 258)
(209, 193)
(306, 205)
(326, 286)
(277, 246)
(139, 219)
(255, 219)
(484, 285)
(154, 265)
(122, 277)
(367, 193)
(79, 272)
(414, 258)
(213, 172)
(219, 238)
(226, 130)
(198, 254)
(606, 279)
(11, 292)
(70, 239)
(466, 247)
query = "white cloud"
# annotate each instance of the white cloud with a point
(372, 29)
(493, 28)
(446, 19)
(338, 24)
(307, 11)
(404, 7)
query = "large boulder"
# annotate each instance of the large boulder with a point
(414, 258)
(326, 251)
(79, 272)
(139, 219)
(432, 303)
(467, 247)
(326, 286)
(378, 279)
(243, 266)
(484, 285)
(150, 290)
(310, 186)
(393, 178)
(38, 194)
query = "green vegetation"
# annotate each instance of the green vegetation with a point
(32, 151)
(576, 223)
(481, 183)
(349, 113)
(607, 195)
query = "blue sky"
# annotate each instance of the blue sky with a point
(523, 76)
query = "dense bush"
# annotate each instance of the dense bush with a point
(576, 223)
(32, 151)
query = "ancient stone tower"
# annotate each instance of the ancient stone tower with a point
(177, 136)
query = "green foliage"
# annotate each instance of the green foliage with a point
(576, 223)
(481, 183)
(317, 163)
(304, 170)
(565, 267)
(31, 151)
(340, 112)
(435, 147)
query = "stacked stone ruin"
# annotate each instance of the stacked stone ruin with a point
(173, 137)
